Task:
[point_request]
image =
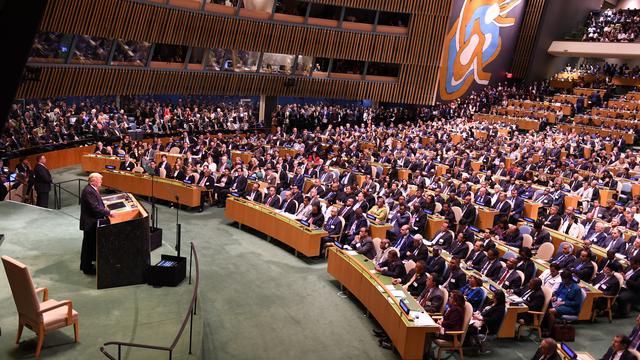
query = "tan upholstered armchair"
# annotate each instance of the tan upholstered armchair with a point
(39, 316)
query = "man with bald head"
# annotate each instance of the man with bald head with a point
(92, 209)
(548, 350)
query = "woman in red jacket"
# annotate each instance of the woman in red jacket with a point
(453, 318)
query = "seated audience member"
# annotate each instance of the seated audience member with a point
(608, 284)
(304, 210)
(548, 350)
(510, 279)
(630, 292)
(564, 259)
(526, 265)
(392, 266)
(436, 263)
(415, 281)
(316, 218)
(473, 292)
(385, 247)
(206, 185)
(476, 257)
(333, 227)
(551, 277)
(380, 210)
(443, 237)
(619, 349)
(532, 296)
(127, 164)
(255, 194)
(539, 234)
(272, 199)
(611, 260)
(432, 296)
(363, 244)
(454, 278)
(418, 250)
(404, 241)
(487, 321)
(583, 268)
(453, 317)
(566, 300)
(492, 267)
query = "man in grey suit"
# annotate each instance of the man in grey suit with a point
(432, 297)
(363, 244)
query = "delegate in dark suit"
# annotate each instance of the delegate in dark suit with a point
(42, 184)
(91, 210)
(539, 355)
(365, 247)
(611, 354)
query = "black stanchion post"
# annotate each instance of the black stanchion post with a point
(79, 192)
(178, 226)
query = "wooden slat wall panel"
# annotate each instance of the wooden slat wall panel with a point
(406, 6)
(419, 52)
(70, 81)
(132, 20)
(527, 37)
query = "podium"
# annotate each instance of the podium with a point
(122, 244)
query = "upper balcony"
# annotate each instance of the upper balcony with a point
(300, 13)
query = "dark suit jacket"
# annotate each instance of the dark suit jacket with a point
(128, 166)
(445, 239)
(366, 248)
(434, 300)
(468, 215)
(633, 334)
(476, 260)
(240, 184)
(453, 318)
(436, 264)
(565, 261)
(91, 208)
(494, 270)
(512, 282)
(289, 207)
(359, 223)
(273, 202)
(582, 270)
(610, 286)
(332, 226)
(459, 250)
(420, 252)
(534, 300)
(626, 355)
(553, 222)
(257, 197)
(395, 269)
(419, 224)
(42, 178)
(457, 279)
(553, 356)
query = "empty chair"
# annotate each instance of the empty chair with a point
(163, 172)
(527, 241)
(457, 213)
(545, 251)
(138, 169)
(438, 208)
(40, 317)
(174, 150)
(524, 230)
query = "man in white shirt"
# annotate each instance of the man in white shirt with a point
(551, 277)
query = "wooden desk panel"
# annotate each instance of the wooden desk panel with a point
(531, 209)
(408, 338)
(379, 231)
(57, 158)
(266, 220)
(164, 189)
(485, 218)
(98, 163)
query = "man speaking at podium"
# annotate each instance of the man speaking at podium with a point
(92, 209)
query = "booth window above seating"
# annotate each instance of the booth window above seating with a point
(50, 47)
(91, 50)
(277, 64)
(166, 53)
(130, 53)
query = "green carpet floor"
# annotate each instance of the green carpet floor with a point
(256, 299)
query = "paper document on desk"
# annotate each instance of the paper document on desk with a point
(421, 318)
(515, 298)
(398, 294)
(286, 214)
(352, 252)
